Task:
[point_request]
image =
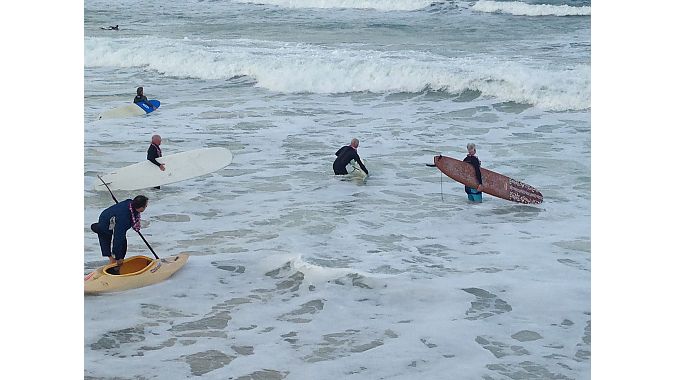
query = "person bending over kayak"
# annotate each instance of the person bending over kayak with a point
(345, 155)
(112, 227)
(140, 98)
(474, 195)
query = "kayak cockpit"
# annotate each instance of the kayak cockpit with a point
(132, 266)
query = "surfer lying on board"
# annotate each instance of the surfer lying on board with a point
(140, 98)
(474, 195)
(345, 155)
(112, 227)
(116, 27)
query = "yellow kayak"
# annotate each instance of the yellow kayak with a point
(136, 272)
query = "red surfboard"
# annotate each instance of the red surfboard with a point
(493, 183)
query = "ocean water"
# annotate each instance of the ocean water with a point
(297, 274)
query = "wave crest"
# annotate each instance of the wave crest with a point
(380, 5)
(518, 8)
(299, 68)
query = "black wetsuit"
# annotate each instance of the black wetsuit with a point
(154, 152)
(345, 155)
(474, 161)
(143, 99)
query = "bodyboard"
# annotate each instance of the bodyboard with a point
(134, 109)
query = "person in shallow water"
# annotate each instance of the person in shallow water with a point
(140, 98)
(345, 155)
(112, 227)
(474, 195)
(154, 152)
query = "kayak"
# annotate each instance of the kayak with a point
(136, 272)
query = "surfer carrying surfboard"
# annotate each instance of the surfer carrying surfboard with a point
(474, 195)
(154, 152)
(112, 227)
(140, 98)
(345, 155)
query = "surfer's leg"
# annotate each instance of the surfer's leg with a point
(105, 241)
(473, 195)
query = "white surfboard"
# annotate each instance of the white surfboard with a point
(178, 167)
(123, 111)
(356, 169)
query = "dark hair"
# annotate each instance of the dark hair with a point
(139, 201)
(139, 91)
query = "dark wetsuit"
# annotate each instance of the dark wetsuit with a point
(154, 152)
(143, 99)
(345, 155)
(474, 161)
(114, 222)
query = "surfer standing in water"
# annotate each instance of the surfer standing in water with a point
(140, 98)
(474, 195)
(345, 155)
(112, 227)
(154, 152)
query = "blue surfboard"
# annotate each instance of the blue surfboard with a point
(145, 107)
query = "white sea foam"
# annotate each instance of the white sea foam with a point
(295, 274)
(519, 8)
(301, 68)
(381, 5)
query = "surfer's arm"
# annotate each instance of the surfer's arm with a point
(361, 165)
(146, 102)
(152, 156)
(477, 170)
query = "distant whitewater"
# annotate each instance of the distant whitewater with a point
(302, 68)
(518, 8)
(381, 5)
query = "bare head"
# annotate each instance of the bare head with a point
(139, 203)
(471, 149)
(354, 143)
(156, 139)
(139, 91)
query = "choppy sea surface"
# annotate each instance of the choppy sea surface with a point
(297, 274)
